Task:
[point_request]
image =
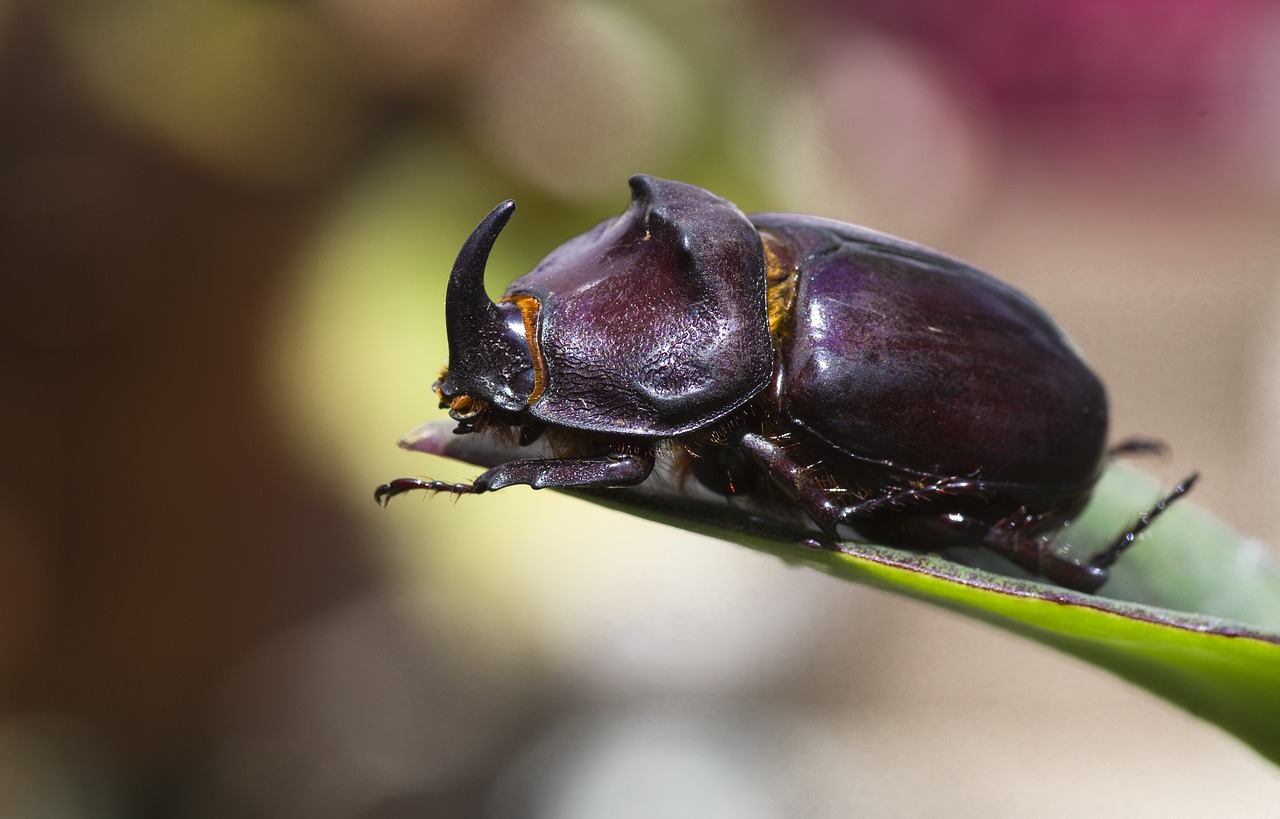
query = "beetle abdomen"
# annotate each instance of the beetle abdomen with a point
(901, 355)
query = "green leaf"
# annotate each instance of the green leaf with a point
(1191, 614)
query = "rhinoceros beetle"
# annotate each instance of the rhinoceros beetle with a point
(859, 378)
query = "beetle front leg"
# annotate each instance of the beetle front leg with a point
(616, 469)
(399, 486)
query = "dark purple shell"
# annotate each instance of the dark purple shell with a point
(653, 323)
(903, 355)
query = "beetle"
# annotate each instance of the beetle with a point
(855, 378)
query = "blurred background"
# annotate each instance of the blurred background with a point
(225, 227)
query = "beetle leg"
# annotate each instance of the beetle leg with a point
(615, 469)
(619, 469)
(1137, 446)
(399, 486)
(530, 432)
(1104, 559)
(899, 497)
(1035, 554)
(724, 470)
(820, 502)
(796, 479)
(1009, 539)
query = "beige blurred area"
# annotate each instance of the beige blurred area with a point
(225, 228)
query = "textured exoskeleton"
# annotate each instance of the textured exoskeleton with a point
(864, 380)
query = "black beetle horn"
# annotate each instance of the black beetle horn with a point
(485, 349)
(467, 305)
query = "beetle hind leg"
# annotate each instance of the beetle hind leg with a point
(1035, 553)
(931, 515)
(1108, 556)
(1014, 541)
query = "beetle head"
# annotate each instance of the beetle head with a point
(489, 360)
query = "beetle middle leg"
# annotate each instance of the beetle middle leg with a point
(825, 504)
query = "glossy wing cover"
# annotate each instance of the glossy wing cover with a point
(904, 355)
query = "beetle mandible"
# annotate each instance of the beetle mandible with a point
(868, 381)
